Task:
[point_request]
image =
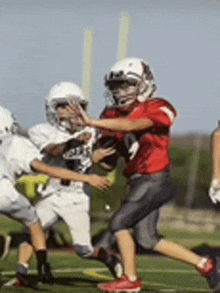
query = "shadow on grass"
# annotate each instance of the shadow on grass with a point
(78, 283)
(66, 281)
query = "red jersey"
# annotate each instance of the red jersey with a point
(146, 151)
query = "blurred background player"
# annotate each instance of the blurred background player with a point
(5, 241)
(142, 123)
(68, 146)
(214, 190)
(18, 156)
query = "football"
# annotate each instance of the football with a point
(105, 142)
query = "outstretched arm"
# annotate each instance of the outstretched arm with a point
(118, 124)
(61, 148)
(93, 180)
(214, 189)
(216, 155)
(121, 124)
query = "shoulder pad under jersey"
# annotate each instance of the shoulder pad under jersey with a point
(163, 102)
(44, 134)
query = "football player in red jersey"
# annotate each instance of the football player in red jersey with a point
(142, 123)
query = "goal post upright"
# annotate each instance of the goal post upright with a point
(88, 52)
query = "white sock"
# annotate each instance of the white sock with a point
(132, 278)
(25, 265)
(202, 263)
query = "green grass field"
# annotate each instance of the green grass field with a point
(159, 274)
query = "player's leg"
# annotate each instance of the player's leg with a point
(47, 217)
(146, 195)
(19, 208)
(106, 239)
(25, 253)
(146, 235)
(37, 244)
(76, 215)
(134, 209)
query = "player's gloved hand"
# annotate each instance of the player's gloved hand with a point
(77, 115)
(214, 191)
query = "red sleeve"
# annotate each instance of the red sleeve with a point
(109, 113)
(157, 111)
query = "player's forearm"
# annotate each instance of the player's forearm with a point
(216, 156)
(61, 148)
(121, 124)
(61, 173)
(55, 149)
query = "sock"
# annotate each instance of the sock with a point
(41, 258)
(26, 265)
(132, 278)
(22, 269)
(103, 256)
(202, 263)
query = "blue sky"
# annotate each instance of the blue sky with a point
(42, 44)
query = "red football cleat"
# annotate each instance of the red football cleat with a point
(208, 269)
(211, 272)
(123, 284)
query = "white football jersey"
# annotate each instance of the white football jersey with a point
(77, 158)
(16, 155)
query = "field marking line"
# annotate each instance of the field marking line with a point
(176, 287)
(72, 270)
(93, 273)
(10, 282)
(69, 270)
(13, 280)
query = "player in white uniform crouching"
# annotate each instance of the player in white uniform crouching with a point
(71, 147)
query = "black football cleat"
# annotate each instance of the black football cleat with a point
(22, 281)
(112, 262)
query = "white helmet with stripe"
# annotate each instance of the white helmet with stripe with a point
(62, 93)
(8, 124)
(133, 72)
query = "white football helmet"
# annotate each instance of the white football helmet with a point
(131, 72)
(8, 124)
(61, 93)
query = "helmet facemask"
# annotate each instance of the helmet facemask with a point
(59, 97)
(121, 91)
(130, 80)
(56, 115)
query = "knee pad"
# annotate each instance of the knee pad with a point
(83, 251)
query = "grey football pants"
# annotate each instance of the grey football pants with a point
(140, 209)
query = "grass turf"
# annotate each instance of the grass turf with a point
(159, 274)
